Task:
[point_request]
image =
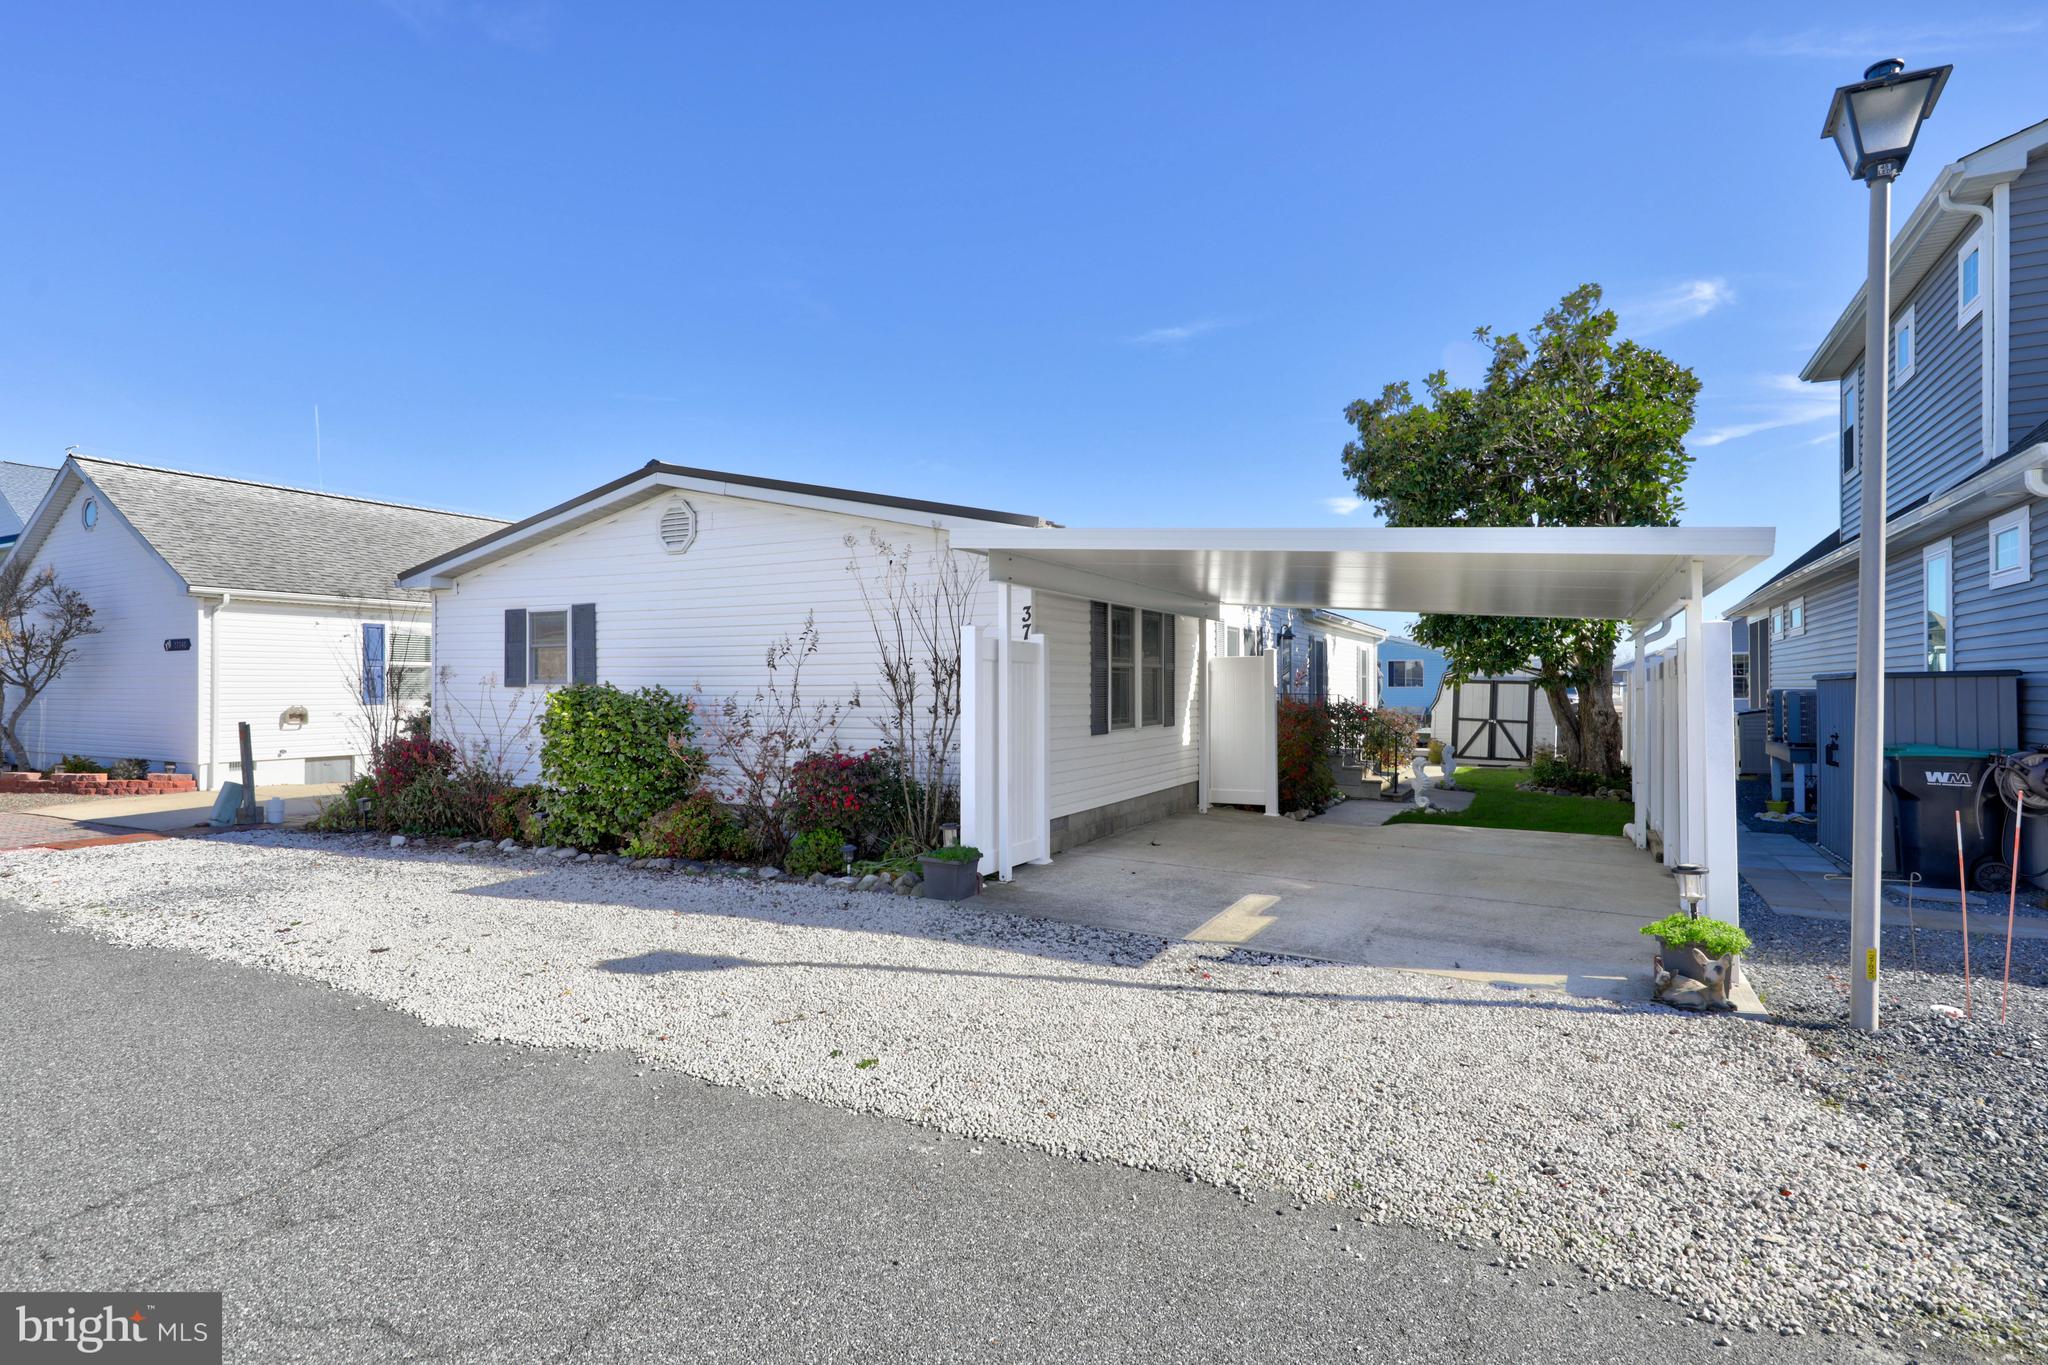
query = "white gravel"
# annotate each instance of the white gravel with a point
(1696, 1157)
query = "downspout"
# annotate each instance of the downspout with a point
(1987, 287)
(213, 688)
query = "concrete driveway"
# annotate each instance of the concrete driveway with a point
(1514, 907)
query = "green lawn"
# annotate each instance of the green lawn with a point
(1498, 805)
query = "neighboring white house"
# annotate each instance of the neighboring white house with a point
(221, 601)
(1323, 655)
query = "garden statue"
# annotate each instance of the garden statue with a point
(1447, 782)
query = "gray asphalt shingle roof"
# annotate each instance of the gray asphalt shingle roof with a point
(253, 537)
(21, 487)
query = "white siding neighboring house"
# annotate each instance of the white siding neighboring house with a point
(220, 601)
(684, 578)
(1330, 656)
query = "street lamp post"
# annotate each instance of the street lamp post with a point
(1874, 124)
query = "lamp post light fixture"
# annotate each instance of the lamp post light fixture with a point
(1874, 124)
(1692, 887)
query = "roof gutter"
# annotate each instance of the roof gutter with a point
(2030, 464)
(308, 598)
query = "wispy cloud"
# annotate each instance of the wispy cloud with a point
(1781, 401)
(1178, 333)
(1686, 301)
(1839, 43)
(1343, 507)
(527, 24)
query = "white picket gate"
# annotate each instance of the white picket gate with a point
(1240, 717)
(1017, 761)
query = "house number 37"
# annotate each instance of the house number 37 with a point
(1024, 617)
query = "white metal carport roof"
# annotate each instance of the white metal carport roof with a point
(1632, 573)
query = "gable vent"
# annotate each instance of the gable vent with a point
(678, 527)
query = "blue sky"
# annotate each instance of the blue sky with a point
(1118, 265)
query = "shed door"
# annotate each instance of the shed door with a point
(1492, 720)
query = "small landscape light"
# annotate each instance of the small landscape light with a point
(1692, 886)
(846, 852)
(949, 835)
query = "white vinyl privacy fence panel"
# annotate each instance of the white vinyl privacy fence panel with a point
(1681, 741)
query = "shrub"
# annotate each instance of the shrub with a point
(1436, 752)
(818, 850)
(1389, 737)
(858, 794)
(1348, 726)
(398, 763)
(959, 853)
(128, 769)
(697, 828)
(1306, 782)
(1715, 938)
(611, 760)
(78, 763)
(1547, 769)
(340, 816)
(434, 803)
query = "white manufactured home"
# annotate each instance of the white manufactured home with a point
(1103, 686)
(220, 601)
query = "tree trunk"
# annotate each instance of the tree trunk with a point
(1570, 746)
(1601, 729)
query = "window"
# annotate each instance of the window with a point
(89, 515)
(1970, 279)
(1848, 426)
(2012, 549)
(1152, 668)
(1233, 642)
(1123, 654)
(1741, 677)
(547, 648)
(1404, 672)
(1795, 616)
(1937, 592)
(410, 671)
(1777, 623)
(1902, 348)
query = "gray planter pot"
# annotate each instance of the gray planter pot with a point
(945, 880)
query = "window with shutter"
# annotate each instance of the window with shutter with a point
(409, 672)
(515, 647)
(1152, 668)
(1098, 668)
(1167, 656)
(373, 665)
(1123, 668)
(547, 648)
(583, 644)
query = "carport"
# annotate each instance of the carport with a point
(1678, 707)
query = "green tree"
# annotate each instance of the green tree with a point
(1570, 428)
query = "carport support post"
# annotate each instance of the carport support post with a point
(1636, 723)
(1272, 737)
(1201, 693)
(1001, 786)
(1694, 817)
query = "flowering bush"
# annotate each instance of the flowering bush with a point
(856, 795)
(398, 763)
(1306, 782)
(697, 828)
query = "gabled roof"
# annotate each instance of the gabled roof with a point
(232, 534)
(1919, 245)
(21, 487)
(656, 478)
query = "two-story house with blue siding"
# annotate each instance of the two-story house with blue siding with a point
(1967, 364)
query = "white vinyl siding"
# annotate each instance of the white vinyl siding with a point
(1086, 771)
(704, 618)
(124, 695)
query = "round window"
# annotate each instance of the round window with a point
(90, 513)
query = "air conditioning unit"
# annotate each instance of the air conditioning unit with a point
(1793, 715)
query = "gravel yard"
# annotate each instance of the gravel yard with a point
(18, 801)
(1722, 1163)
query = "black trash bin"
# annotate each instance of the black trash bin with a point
(1929, 785)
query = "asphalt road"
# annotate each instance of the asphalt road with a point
(363, 1188)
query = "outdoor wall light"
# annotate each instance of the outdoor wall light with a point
(1692, 886)
(1875, 122)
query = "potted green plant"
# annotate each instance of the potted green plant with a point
(1699, 960)
(951, 874)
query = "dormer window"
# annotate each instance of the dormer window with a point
(1970, 279)
(1902, 348)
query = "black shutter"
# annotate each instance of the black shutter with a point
(1098, 668)
(515, 647)
(1166, 649)
(583, 642)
